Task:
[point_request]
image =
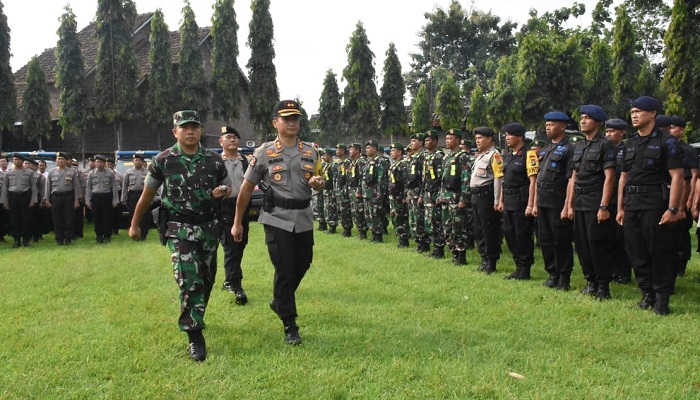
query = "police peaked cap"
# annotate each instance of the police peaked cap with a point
(139, 154)
(100, 157)
(556, 116)
(63, 155)
(594, 111)
(454, 132)
(646, 103)
(616, 124)
(514, 128)
(484, 131)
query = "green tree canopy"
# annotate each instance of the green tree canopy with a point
(393, 116)
(263, 93)
(449, 105)
(422, 116)
(330, 116)
(8, 105)
(478, 111)
(225, 81)
(625, 62)
(191, 82)
(361, 108)
(160, 97)
(36, 107)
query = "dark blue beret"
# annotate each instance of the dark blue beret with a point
(663, 121)
(515, 129)
(484, 131)
(556, 116)
(594, 111)
(646, 103)
(675, 120)
(616, 124)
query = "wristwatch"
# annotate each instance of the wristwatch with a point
(673, 210)
(603, 207)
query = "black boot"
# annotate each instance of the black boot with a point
(438, 252)
(291, 334)
(484, 264)
(377, 238)
(490, 267)
(455, 256)
(648, 300)
(322, 226)
(552, 281)
(423, 247)
(197, 346)
(564, 282)
(591, 289)
(347, 232)
(517, 273)
(403, 242)
(462, 257)
(661, 304)
(603, 292)
(331, 230)
(362, 235)
(525, 272)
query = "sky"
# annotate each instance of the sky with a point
(311, 36)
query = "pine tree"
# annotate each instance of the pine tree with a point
(225, 81)
(330, 117)
(503, 101)
(625, 62)
(448, 105)
(598, 80)
(361, 108)
(191, 81)
(477, 111)
(264, 93)
(8, 105)
(36, 107)
(421, 121)
(393, 116)
(75, 112)
(678, 77)
(159, 98)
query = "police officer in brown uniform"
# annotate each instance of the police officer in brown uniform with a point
(19, 194)
(62, 194)
(132, 187)
(289, 169)
(649, 198)
(102, 196)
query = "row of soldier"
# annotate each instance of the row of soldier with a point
(35, 200)
(627, 205)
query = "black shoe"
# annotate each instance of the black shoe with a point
(26, 244)
(603, 292)
(347, 232)
(227, 286)
(67, 242)
(322, 226)
(377, 238)
(564, 283)
(462, 257)
(591, 289)
(623, 280)
(362, 235)
(552, 281)
(422, 247)
(16, 245)
(403, 242)
(291, 335)
(482, 267)
(490, 267)
(661, 305)
(197, 347)
(648, 301)
(99, 239)
(107, 239)
(438, 252)
(241, 298)
(331, 230)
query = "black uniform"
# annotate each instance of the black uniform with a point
(690, 162)
(621, 267)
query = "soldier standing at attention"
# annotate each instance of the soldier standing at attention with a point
(19, 194)
(116, 210)
(4, 217)
(194, 179)
(651, 186)
(132, 187)
(35, 222)
(62, 194)
(290, 169)
(330, 206)
(102, 196)
(432, 173)
(468, 222)
(319, 205)
(588, 201)
(414, 190)
(79, 213)
(341, 191)
(454, 196)
(555, 232)
(517, 197)
(357, 165)
(374, 187)
(398, 173)
(485, 188)
(236, 166)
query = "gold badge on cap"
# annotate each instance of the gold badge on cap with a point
(307, 175)
(277, 177)
(223, 129)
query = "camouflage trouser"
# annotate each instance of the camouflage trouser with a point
(416, 221)
(330, 208)
(468, 228)
(399, 216)
(319, 214)
(194, 267)
(344, 211)
(433, 219)
(453, 226)
(375, 213)
(358, 212)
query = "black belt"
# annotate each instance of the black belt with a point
(190, 219)
(291, 204)
(510, 192)
(62, 193)
(642, 188)
(545, 185)
(481, 189)
(19, 193)
(588, 189)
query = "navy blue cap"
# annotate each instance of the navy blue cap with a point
(663, 121)
(675, 120)
(514, 128)
(484, 131)
(616, 124)
(594, 111)
(646, 103)
(454, 132)
(556, 116)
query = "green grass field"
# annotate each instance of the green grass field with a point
(99, 321)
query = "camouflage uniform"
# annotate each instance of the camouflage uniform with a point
(416, 209)
(357, 203)
(398, 172)
(454, 189)
(319, 206)
(432, 173)
(330, 204)
(193, 228)
(374, 189)
(342, 195)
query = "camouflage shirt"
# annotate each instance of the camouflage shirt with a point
(456, 174)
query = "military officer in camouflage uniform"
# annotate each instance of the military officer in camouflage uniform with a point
(62, 197)
(432, 173)
(132, 187)
(330, 204)
(398, 173)
(414, 190)
(289, 169)
(319, 205)
(485, 189)
(454, 196)
(466, 145)
(374, 188)
(19, 194)
(341, 191)
(194, 179)
(357, 166)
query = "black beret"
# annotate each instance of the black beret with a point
(556, 116)
(484, 131)
(227, 130)
(63, 155)
(32, 160)
(675, 120)
(663, 121)
(616, 123)
(646, 103)
(515, 129)
(18, 155)
(594, 111)
(454, 132)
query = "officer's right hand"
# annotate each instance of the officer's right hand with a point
(534, 211)
(620, 217)
(6, 206)
(237, 232)
(135, 232)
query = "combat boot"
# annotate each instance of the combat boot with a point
(455, 256)
(525, 272)
(591, 289)
(462, 257)
(552, 281)
(422, 247)
(517, 273)
(377, 238)
(603, 292)
(438, 252)
(291, 333)
(648, 300)
(197, 347)
(564, 282)
(362, 235)
(483, 265)
(403, 242)
(490, 267)
(661, 304)
(322, 226)
(331, 230)
(347, 232)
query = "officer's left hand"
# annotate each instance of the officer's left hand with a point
(76, 204)
(499, 208)
(668, 217)
(603, 215)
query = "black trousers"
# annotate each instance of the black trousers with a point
(517, 229)
(683, 242)
(102, 214)
(651, 250)
(555, 236)
(20, 215)
(621, 266)
(291, 254)
(62, 213)
(594, 245)
(132, 198)
(79, 219)
(487, 226)
(233, 251)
